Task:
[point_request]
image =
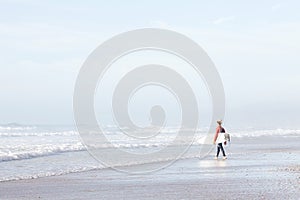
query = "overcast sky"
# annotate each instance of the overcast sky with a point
(255, 46)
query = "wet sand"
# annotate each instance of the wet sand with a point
(264, 168)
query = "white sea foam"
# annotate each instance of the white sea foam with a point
(22, 134)
(19, 152)
(270, 132)
(17, 128)
(49, 173)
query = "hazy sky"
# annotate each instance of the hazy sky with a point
(255, 46)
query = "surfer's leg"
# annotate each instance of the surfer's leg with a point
(218, 149)
(222, 149)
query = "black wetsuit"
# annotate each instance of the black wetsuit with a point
(220, 145)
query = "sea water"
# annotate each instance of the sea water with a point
(28, 152)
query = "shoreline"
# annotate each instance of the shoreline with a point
(264, 169)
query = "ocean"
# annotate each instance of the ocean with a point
(28, 152)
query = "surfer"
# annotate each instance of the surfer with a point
(219, 139)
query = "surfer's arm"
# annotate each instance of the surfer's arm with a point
(216, 135)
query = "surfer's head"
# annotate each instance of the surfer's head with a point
(219, 122)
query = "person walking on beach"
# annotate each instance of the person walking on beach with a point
(219, 139)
